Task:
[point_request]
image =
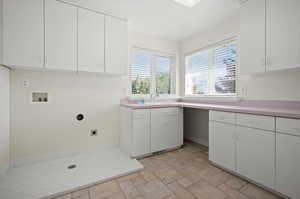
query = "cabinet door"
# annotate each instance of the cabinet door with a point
(140, 133)
(60, 35)
(252, 37)
(288, 165)
(23, 33)
(116, 51)
(165, 131)
(90, 41)
(256, 155)
(223, 144)
(283, 34)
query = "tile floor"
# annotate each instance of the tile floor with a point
(182, 174)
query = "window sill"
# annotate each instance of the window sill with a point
(157, 98)
(217, 98)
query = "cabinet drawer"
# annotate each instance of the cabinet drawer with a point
(222, 117)
(289, 126)
(164, 111)
(141, 113)
(256, 121)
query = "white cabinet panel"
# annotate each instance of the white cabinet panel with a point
(283, 34)
(116, 49)
(256, 121)
(211, 140)
(141, 133)
(23, 33)
(288, 126)
(165, 130)
(60, 36)
(256, 155)
(222, 116)
(223, 144)
(287, 165)
(90, 41)
(252, 39)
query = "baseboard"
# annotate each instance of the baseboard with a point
(197, 140)
(56, 155)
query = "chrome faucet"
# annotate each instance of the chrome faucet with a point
(153, 96)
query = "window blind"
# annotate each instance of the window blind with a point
(212, 71)
(152, 73)
(140, 72)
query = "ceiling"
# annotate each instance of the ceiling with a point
(165, 18)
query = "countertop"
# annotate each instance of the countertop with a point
(268, 108)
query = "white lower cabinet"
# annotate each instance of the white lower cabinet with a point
(222, 136)
(288, 157)
(140, 132)
(144, 131)
(288, 165)
(256, 155)
(165, 129)
(244, 144)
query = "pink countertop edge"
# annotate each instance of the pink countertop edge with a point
(267, 111)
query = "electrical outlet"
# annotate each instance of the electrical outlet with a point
(94, 132)
(26, 83)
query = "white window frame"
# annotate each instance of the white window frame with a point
(211, 64)
(155, 54)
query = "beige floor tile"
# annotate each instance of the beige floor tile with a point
(214, 175)
(203, 190)
(192, 174)
(236, 182)
(104, 190)
(179, 191)
(147, 175)
(119, 195)
(168, 175)
(172, 197)
(231, 192)
(254, 192)
(129, 189)
(68, 196)
(154, 190)
(185, 182)
(138, 180)
(81, 194)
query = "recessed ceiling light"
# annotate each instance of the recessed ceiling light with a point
(188, 3)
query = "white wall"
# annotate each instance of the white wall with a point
(39, 130)
(281, 85)
(4, 119)
(1, 29)
(196, 125)
(44, 130)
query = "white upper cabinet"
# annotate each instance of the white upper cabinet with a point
(91, 41)
(252, 30)
(270, 35)
(116, 49)
(23, 33)
(60, 36)
(283, 34)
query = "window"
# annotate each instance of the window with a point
(152, 73)
(212, 71)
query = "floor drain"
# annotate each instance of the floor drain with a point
(73, 166)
